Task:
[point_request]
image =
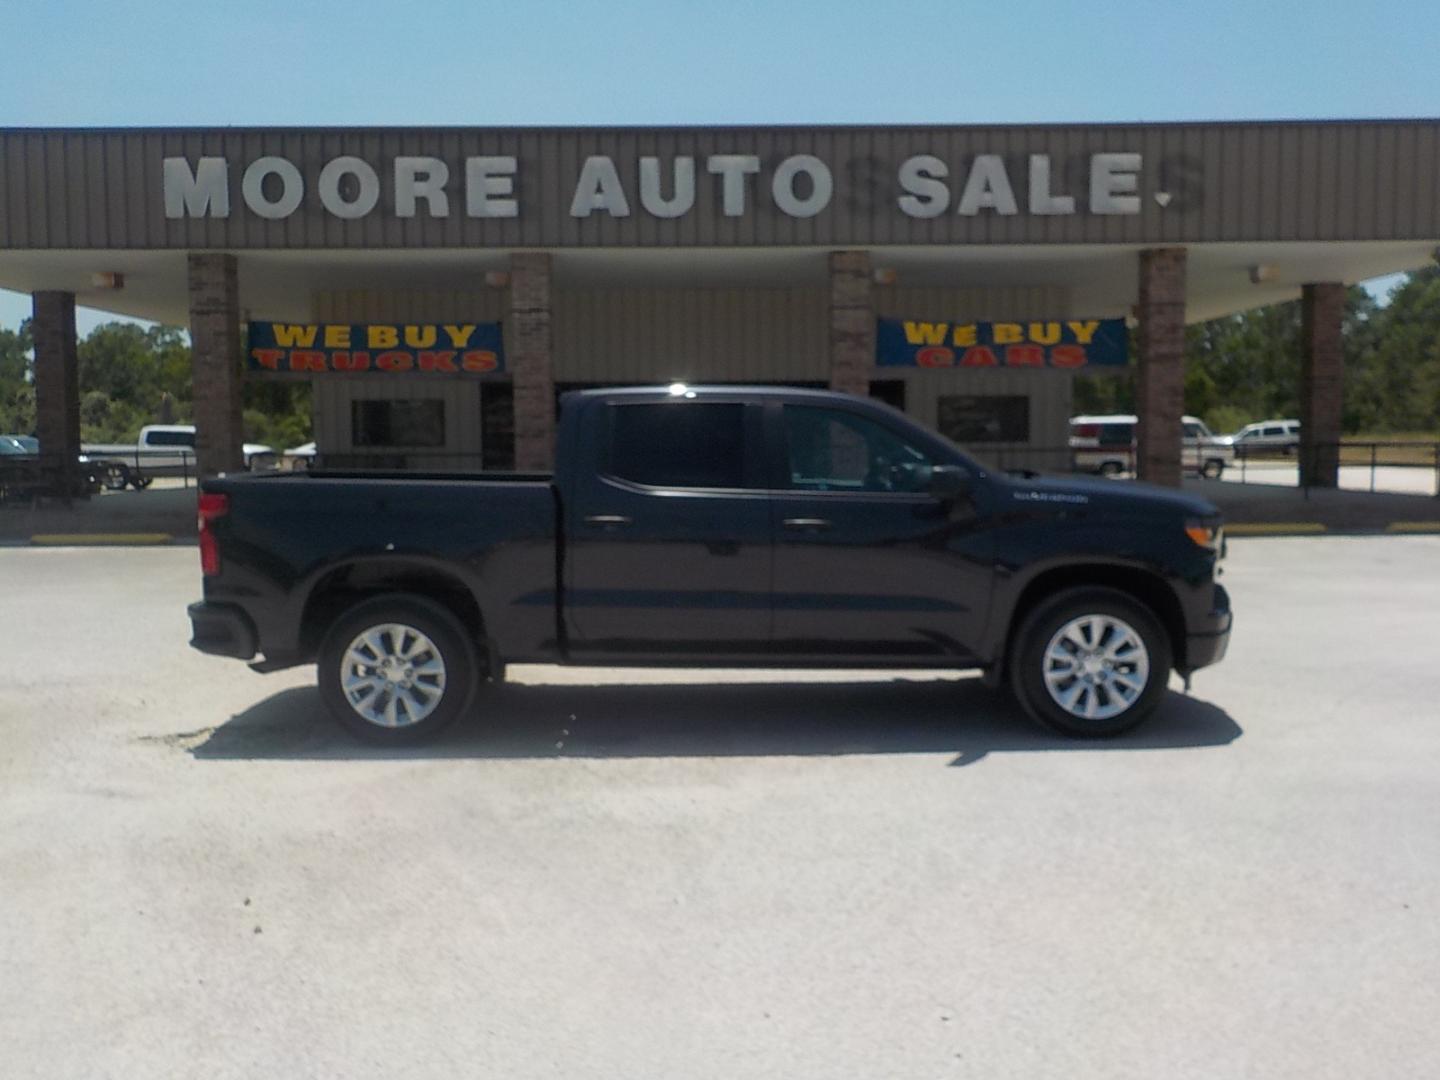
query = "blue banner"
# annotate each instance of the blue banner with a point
(1041, 343)
(434, 350)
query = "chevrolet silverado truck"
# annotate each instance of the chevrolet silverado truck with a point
(723, 526)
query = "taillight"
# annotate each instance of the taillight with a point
(212, 508)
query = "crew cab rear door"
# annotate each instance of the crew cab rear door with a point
(667, 540)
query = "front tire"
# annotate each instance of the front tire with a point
(396, 669)
(1090, 663)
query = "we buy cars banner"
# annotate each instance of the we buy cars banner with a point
(430, 349)
(1047, 343)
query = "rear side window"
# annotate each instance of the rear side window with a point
(1117, 434)
(1273, 431)
(170, 438)
(678, 444)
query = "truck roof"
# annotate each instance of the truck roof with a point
(679, 389)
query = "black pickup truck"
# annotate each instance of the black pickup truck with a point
(715, 526)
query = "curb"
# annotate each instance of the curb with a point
(100, 539)
(1274, 528)
(1315, 528)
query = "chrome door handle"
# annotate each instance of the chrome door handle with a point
(608, 521)
(806, 523)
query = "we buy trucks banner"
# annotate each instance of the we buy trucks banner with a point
(1047, 343)
(430, 349)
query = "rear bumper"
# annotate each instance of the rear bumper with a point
(1210, 637)
(221, 630)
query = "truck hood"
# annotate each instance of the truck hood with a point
(1123, 496)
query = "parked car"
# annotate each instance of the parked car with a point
(19, 468)
(1106, 445)
(300, 457)
(1267, 437)
(169, 450)
(714, 526)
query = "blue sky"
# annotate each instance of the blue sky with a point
(727, 61)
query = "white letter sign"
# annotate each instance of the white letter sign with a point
(207, 191)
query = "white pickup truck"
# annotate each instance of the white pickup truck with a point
(166, 450)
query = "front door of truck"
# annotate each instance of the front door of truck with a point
(868, 564)
(668, 541)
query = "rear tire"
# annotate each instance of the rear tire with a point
(1090, 663)
(1111, 468)
(1213, 469)
(397, 668)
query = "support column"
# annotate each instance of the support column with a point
(528, 354)
(1322, 382)
(1160, 389)
(57, 391)
(215, 362)
(852, 322)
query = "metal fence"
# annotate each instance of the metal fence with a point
(29, 476)
(1375, 466)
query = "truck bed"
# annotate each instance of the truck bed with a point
(287, 535)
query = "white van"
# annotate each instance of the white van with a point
(1106, 445)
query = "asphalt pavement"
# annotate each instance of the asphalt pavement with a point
(702, 874)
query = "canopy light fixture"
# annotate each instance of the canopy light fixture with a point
(107, 280)
(1260, 273)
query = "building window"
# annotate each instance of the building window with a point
(678, 445)
(497, 426)
(419, 424)
(982, 418)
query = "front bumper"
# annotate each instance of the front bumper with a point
(221, 630)
(1207, 642)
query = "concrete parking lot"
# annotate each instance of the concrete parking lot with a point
(698, 874)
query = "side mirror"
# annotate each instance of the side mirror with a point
(949, 482)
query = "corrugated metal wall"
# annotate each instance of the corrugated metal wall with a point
(649, 335)
(333, 395)
(691, 335)
(1349, 180)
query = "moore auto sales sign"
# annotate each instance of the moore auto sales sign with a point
(798, 185)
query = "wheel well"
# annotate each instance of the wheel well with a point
(344, 587)
(1141, 585)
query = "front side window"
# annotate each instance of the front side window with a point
(832, 450)
(678, 444)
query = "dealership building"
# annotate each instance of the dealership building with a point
(437, 287)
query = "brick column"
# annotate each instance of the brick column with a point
(57, 391)
(528, 354)
(1322, 382)
(1160, 389)
(852, 322)
(215, 362)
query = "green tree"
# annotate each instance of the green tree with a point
(17, 389)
